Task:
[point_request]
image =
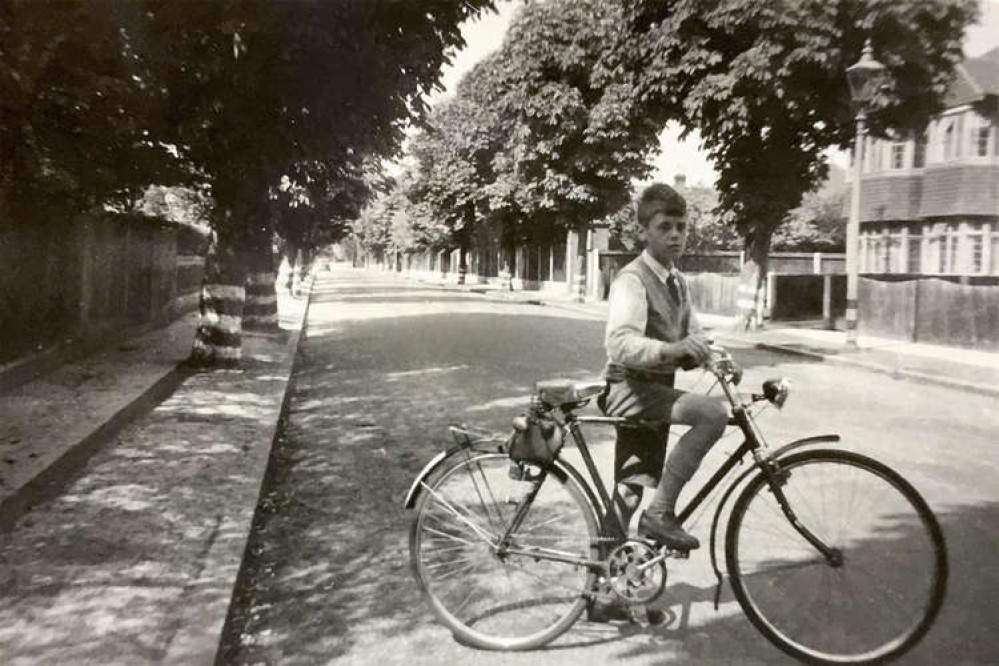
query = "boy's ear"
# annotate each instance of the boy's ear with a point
(643, 233)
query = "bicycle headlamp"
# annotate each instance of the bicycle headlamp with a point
(777, 390)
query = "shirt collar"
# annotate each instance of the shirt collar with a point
(661, 271)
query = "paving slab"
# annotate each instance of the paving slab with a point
(51, 425)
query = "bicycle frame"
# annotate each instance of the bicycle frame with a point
(765, 462)
(610, 525)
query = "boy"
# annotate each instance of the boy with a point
(652, 331)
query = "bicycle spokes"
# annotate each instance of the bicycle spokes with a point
(497, 580)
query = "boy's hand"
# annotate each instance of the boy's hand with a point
(693, 351)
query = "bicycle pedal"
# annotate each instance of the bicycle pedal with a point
(675, 553)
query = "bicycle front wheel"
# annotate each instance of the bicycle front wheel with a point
(490, 597)
(878, 589)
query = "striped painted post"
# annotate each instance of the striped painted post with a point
(219, 336)
(750, 309)
(506, 278)
(296, 275)
(579, 282)
(260, 312)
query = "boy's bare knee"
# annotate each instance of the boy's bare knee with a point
(718, 415)
(712, 414)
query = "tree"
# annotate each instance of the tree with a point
(571, 135)
(817, 225)
(453, 165)
(764, 84)
(77, 105)
(257, 88)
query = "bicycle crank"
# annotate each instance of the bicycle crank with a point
(636, 572)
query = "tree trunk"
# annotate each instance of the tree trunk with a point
(464, 239)
(303, 267)
(751, 298)
(218, 340)
(261, 312)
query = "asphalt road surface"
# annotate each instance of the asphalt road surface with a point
(388, 364)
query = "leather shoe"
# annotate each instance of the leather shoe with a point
(667, 531)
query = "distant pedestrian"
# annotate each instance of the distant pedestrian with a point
(652, 331)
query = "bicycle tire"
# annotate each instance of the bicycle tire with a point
(832, 628)
(512, 603)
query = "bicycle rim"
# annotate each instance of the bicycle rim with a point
(501, 603)
(883, 597)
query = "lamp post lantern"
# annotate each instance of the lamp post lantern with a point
(865, 77)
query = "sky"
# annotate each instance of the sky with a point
(485, 35)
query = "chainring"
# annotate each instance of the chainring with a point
(627, 580)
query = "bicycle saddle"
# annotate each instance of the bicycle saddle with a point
(558, 392)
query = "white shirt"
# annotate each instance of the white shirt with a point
(627, 318)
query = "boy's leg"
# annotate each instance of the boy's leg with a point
(707, 418)
(639, 455)
(627, 498)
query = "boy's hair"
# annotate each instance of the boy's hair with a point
(659, 198)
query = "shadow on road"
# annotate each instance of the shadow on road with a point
(329, 578)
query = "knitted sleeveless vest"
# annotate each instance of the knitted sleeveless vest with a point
(666, 321)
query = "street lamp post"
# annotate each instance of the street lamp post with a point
(865, 78)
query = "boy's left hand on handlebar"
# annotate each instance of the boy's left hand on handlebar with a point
(722, 361)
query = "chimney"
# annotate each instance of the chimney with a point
(679, 181)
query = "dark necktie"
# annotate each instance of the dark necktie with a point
(674, 289)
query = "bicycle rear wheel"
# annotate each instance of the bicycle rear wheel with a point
(497, 601)
(873, 605)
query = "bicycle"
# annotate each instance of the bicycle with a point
(509, 552)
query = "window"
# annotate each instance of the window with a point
(866, 254)
(897, 155)
(914, 254)
(982, 141)
(919, 152)
(995, 254)
(976, 247)
(948, 142)
(938, 251)
(952, 246)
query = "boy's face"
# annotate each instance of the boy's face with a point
(666, 237)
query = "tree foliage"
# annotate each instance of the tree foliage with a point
(76, 104)
(817, 225)
(453, 164)
(764, 83)
(260, 89)
(97, 104)
(543, 134)
(575, 135)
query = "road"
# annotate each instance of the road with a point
(387, 364)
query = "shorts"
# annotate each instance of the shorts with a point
(640, 452)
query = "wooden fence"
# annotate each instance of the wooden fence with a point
(96, 275)
(933, 310)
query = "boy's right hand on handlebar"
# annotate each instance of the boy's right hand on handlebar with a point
(693, 351)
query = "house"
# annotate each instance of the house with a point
(930, 204)
(929, 221)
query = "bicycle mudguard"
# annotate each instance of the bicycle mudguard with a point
(779, 453)
(437, 461)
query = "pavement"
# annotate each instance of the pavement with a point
(128, 485)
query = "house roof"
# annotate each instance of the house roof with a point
(974, 79)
